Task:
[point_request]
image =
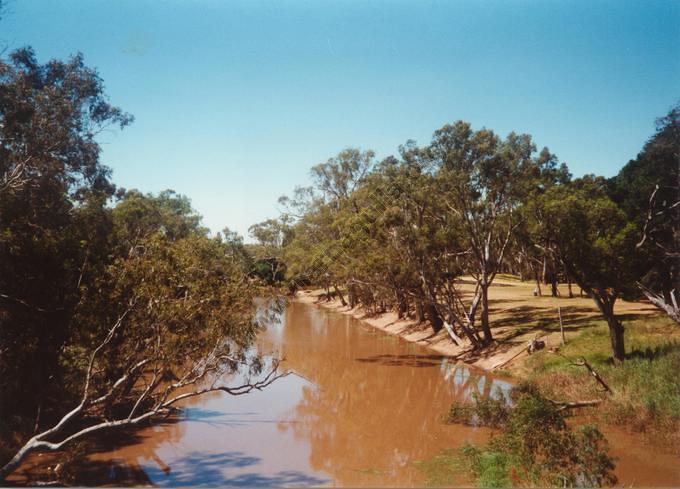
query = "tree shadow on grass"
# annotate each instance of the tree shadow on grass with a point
(654, 353)
(527, 319)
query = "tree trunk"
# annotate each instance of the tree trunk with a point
(538, 283)
(571, 292)
(616, 337)
(544, 272)
(432, 314)
(616, 330)
(553, 285)
(402, 303)
(352, 295)
(488, 338)
(342, 298)
(420, 314)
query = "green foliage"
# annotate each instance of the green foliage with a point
(270, 270)
(137, 216)
(139, 282)
(490, 411)
(535, 446)
(594, 241)
(491, 469)
(647, 189)
(646, 388)
(54, 225)
(591, 233)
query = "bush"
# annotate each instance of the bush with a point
(534, 446)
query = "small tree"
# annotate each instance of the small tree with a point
(534, 445)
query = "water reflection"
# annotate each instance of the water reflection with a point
(376, 401)
(364, 406)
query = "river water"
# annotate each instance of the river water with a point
(363, 408)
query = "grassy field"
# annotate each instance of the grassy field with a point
(645, 393)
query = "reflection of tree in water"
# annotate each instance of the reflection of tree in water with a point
(113, 457)
(467, 382)
(375, 407)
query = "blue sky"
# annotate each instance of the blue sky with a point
(235, 101)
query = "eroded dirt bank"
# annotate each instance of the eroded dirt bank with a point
(517, 316)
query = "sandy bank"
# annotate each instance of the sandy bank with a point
(516, 318)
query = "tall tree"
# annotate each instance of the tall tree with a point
(596, 244)
(53, 220)
(648, 191)
(271, 235)
(168, 321)
(483, 180)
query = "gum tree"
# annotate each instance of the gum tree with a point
(482, 180)
(595, 242)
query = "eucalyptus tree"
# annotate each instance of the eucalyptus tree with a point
(338, 177)
(137, 216)
(419, 250)
(648, 190)
(596, 243)
(54, 225)
(272, 236)
(109, 316)
(320, 249)
(536, 251)
(167, 321)
(483, 180)
(399, 197)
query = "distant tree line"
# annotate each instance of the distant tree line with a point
(405, 232)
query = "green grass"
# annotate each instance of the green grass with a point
(444, 469)
(646, 388)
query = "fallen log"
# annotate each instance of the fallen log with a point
(576, 404)
(508, 360)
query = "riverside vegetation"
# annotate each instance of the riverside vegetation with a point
(426, 234)
(115, 304)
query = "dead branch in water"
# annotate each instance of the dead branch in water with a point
(576, 404)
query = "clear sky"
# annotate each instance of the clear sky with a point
(235, 100)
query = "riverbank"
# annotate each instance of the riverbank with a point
(517, 317)
(408, 329)
(645, 391)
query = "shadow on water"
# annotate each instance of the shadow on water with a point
(212, 469)
(410, 360)
(195, 469)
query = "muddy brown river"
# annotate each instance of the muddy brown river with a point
(363, 408)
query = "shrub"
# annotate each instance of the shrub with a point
(534, 446)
